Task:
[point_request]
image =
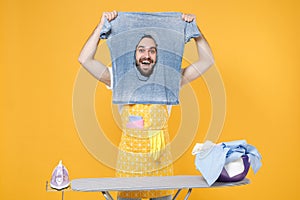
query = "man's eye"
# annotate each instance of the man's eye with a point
(141, 50)
(152, 51)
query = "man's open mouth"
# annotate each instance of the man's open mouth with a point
(146, 61)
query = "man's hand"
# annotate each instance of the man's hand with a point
(109, 16)
(188, 17)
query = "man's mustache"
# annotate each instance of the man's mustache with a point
(141, 60)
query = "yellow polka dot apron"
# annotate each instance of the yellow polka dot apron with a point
(144, 149)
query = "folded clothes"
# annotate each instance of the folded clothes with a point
(212, 158)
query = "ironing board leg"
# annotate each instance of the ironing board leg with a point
(177, 193)
(188, 194)
(107, 195)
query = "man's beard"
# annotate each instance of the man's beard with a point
(145, 61)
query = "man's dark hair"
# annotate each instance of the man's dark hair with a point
(146, 36)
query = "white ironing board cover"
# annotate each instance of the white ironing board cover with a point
(145, 183)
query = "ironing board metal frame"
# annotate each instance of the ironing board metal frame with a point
(107, 185)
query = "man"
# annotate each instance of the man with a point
(144, 149)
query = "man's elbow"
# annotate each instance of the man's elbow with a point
(203, 66)
(81, 60)
(211, 62)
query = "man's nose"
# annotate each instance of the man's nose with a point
(147, 54)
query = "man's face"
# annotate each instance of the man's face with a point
(145, 56)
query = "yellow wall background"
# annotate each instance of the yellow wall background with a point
(256, 47)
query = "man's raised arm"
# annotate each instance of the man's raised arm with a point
(87, 54)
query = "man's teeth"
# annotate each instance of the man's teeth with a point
(146, 62)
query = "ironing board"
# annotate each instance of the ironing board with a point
(106, 185)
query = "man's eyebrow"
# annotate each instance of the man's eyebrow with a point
(152, 47)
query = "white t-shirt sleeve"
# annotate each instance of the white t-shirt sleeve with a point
(111, 79)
